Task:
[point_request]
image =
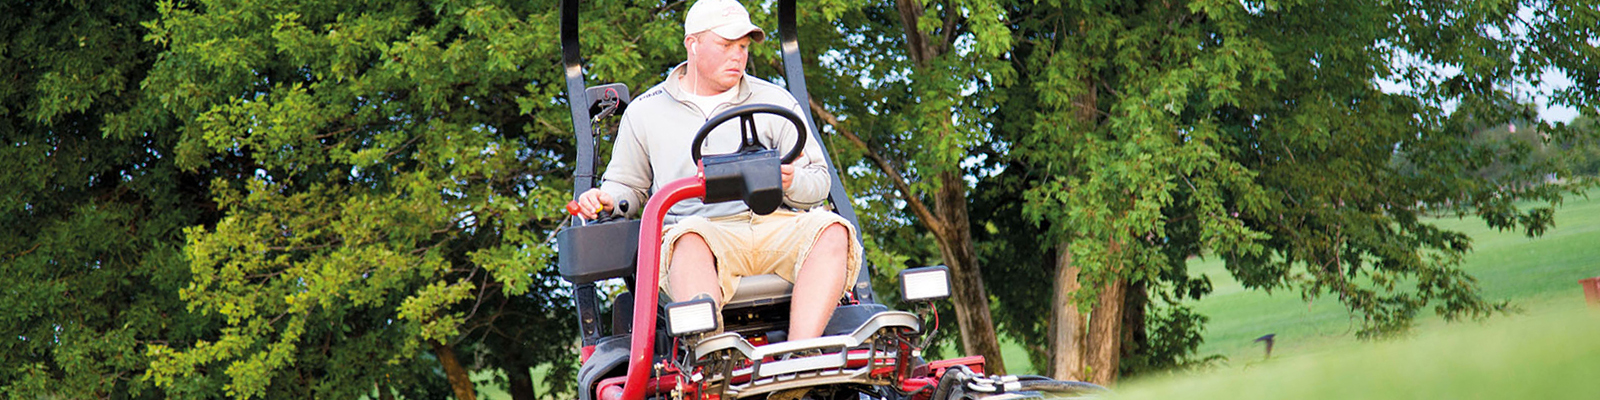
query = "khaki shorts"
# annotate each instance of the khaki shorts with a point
(747, 244)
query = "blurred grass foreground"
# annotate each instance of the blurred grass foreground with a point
(1548, 349)
(1549, 355)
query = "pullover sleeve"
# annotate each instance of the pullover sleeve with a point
(811, 179)
(628, 175)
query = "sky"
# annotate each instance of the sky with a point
(1552, 81)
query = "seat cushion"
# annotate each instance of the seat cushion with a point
(760, 290)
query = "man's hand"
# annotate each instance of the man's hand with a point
(788, 175)
(590, 203)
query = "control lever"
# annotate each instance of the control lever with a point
(614, 213)
(574, 210)
(617, 212)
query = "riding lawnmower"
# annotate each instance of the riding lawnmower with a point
(661, 349)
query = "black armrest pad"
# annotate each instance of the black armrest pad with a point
(599, 251)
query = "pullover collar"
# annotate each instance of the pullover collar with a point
(677, 92)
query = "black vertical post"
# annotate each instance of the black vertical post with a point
(794, 75)
(588, 312)
(577, 99)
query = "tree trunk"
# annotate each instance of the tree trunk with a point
(949, 217)
(1066, 322)
(1134, 338)
(459, 381)
(970, 298)
(1105, 333)
(1067, 329)
(947, 221)
(521, 381)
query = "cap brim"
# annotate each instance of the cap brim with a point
(736, 31)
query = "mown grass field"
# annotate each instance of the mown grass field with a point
(1533, 274)
(1549, 348)
(1554, 354)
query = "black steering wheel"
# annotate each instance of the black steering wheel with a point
(747, 129)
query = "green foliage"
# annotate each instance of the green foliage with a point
(92, 214)
(1174, 338)
(1580, 150)
(1148, 134)
(1014, 256)
(1255, 132)
(393, 192)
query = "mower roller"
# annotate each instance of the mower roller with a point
(677, 352)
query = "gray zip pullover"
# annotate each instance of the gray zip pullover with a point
(652, 147)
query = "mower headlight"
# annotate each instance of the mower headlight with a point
(689, 317)
(925, 284)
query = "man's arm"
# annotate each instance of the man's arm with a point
(811, 182)
(628, 175)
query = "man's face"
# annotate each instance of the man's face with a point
(718, 63)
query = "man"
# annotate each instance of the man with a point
(708, 247)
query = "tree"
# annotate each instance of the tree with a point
(1256, 132)
(93, 210)
(403, 165)
(1581, 151)
(915, 122)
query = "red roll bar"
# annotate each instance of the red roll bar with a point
(646, 289)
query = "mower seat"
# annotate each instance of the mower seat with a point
(770, 289)
(760, 290)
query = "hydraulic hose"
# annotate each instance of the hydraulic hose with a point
(1056, 386)
(953, 377)
(958, 380)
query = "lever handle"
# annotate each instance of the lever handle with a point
(575, 210)
(620, 210)
(615, 212)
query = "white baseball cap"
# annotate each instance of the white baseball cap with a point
(725, 17)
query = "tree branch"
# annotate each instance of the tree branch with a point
(952, 19)
(334, 242)
(24, 252)
(546, 124)
(917, 207)
(916, 41)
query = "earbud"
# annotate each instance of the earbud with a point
(693, 47)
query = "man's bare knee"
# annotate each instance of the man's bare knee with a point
(692, 242)
(834, 238)
(692, 249)
(693, 269)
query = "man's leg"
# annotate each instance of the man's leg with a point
(693, 270)
(817, 288)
